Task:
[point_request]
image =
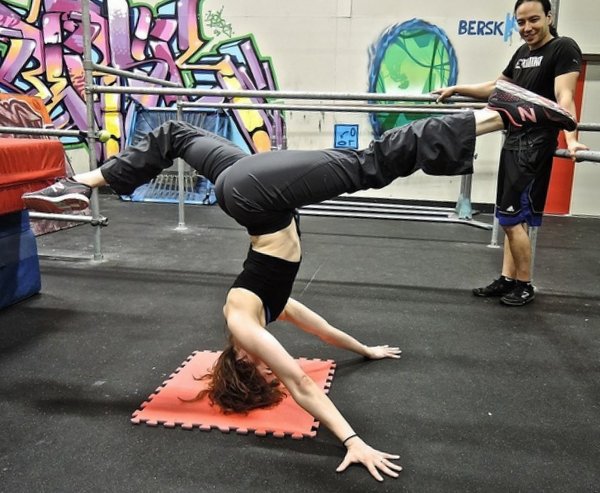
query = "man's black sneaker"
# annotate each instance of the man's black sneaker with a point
(525, 108)
(498, 287)
(66, 195)
(522, 294)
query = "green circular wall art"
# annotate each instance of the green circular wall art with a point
(414, 57)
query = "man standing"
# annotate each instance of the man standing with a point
(548, 65)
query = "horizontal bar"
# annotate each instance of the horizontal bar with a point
(132, 75)
(281, 105)
(591, 127)
(375, 210)
(580, 155)
(367, 108)
(389, 206)
(435, 219)
(226, 93)
(64, 256)
(42, 131)
(99, 221)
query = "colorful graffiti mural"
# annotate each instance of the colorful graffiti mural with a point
(41, 54)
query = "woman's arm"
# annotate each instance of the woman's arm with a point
(309, 321)
(255, 339)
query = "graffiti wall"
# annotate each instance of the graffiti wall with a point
(41, 54)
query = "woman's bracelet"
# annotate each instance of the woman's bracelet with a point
(348, 438)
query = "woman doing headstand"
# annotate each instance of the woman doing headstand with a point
(261, 192)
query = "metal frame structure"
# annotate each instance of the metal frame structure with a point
(373, 209)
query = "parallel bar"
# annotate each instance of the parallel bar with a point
(132, 75)
(435, 219)
(376, 210)
(367, 108)
(580, 155)
(42, 131)
(590, 127)
(99, 221)
(368, 205)
(226, 93)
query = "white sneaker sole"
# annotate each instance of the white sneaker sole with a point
(57, 205)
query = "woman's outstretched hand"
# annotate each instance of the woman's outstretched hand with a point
(380, 352)
(375, 461)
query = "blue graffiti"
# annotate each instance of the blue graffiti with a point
(481, 27)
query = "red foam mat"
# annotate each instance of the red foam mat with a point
(27, 165)
(164, 406)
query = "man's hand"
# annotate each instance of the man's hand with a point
(443, 93)
(576, 146)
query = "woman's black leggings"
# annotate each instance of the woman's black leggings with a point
(262, 191)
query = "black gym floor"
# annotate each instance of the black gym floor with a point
(486, 398)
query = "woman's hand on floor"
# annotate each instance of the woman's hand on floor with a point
(381, 352)
(375, 461)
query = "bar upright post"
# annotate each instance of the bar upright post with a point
(91, 120)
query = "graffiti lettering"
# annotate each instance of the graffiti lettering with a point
(481, 28)
(42, 55)
(6, 21)
(215, 21)
(474, 27)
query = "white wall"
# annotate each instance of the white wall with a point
(580, 20)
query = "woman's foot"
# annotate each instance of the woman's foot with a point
(66, 195)
(525, 108)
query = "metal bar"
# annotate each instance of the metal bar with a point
(495, 232)
(132, 75)
(180, 179)
(178, 91)
(580, 155)
(390, 207)
(226, 93)
(91, 121)
(100, 221)
(464, 209)
(372, 108)
(41, 131)
(589, 127)
(435, 219)
(280, 105)
(169, 109)
(533, 232)
(377, 210)
(555, 4)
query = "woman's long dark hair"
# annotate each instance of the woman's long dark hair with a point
(237, 386)
(546, 5)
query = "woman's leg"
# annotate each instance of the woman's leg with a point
(487, 121)
(262, 191)
(207, 153)
(204, 151)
